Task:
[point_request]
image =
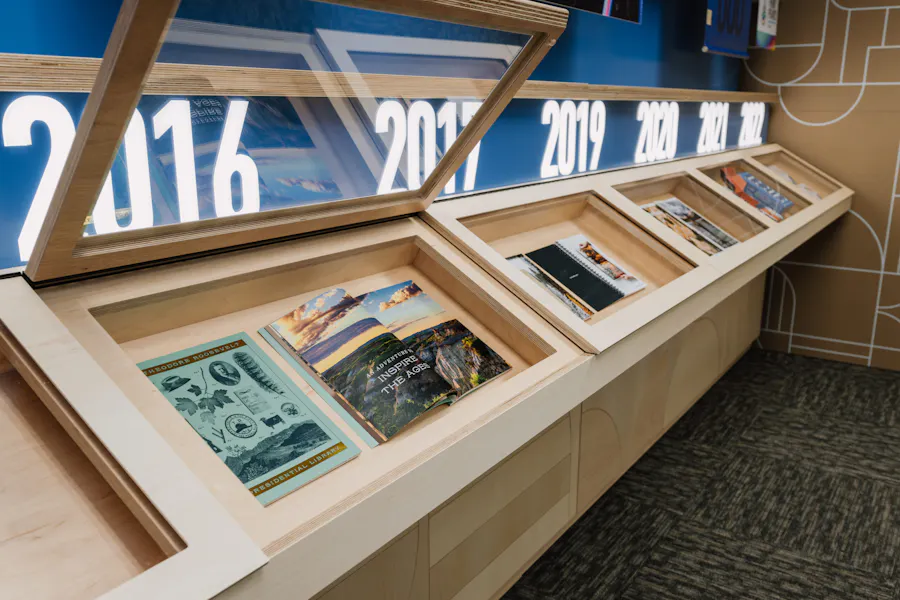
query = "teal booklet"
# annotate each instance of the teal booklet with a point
(271, 436)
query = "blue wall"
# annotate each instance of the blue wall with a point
(663, 51)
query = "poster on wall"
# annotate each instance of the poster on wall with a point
(626, 10)
(728, 27)
(766, 24)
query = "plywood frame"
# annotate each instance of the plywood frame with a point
(61, 250)
(362, 495)
(54, 364)
(774, 242)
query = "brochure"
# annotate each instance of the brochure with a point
(756, 193)
(578, 274)
(778, 170)
(389, 355)
(271, 436)
(691, 225)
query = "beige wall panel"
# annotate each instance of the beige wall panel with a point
(465, 562)
(398, 572)
(621, 421)
(840, 285)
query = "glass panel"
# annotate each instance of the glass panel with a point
(694, 212)
(262, 105)
(760, 191)
(790, 169)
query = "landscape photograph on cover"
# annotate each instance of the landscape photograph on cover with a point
(424, 327)
(361, 360)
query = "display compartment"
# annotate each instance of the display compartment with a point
(59, 515)
(794, 171)
(725, 175)
(124, 319)
(738, 223)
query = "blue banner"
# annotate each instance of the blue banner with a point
(728, 27)
(186, 159)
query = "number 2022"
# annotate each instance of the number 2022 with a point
(713, 128)
(753, 117)
(571, 128)
(658, 139)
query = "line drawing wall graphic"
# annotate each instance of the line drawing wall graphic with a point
(837, 76)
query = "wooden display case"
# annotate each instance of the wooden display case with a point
(715, 172)
(609, 208)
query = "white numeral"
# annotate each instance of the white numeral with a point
(18, 119)
(713, 128)
(571, 129)
(416, 134)
(138, 170)
(658, 138)
(753, 117)
(176, 115)
(229, 162)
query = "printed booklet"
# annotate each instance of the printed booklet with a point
(691, 225)
(756, 193)
(579, 275)
(271, 436)
(389, 355)
(799, 184)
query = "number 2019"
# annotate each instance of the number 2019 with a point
(658, 139)
(571, 128)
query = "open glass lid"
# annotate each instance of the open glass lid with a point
(218, 124)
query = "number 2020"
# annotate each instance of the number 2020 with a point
(175, 115)
(753, 117)
(571, 128)
(713, 128)
(658, 139)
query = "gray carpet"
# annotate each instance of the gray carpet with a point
(782, 482)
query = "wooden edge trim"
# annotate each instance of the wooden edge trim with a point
(125, 488)
(130, 53)
(520, 16)
(524, 64)
(36, 73)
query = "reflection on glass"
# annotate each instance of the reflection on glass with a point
(364, 103)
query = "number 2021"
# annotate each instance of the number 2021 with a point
(658, 139)
(713, 127)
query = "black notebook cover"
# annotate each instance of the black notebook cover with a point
(591, 288)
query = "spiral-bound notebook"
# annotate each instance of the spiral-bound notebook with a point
(580, 275)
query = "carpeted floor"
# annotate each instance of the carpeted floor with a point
(783, 481)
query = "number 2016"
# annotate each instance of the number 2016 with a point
(571, 128)
(658, 139)
(753, 117)
(174, 116)
(713, 128)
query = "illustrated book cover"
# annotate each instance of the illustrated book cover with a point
(756, 193)
(264, 428)
(578, 274)
(691, 225)
(389, 355)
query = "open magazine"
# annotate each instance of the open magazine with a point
(756, 193)
(578, 274)
(691, 225)
(389, 355)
